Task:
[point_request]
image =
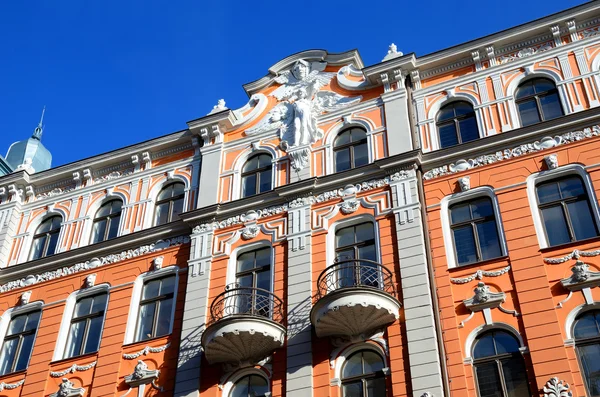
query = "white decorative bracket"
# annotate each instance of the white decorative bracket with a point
(551, 161)
(298, 157)
(582, 279)
(491, 55)
(141, 377)
(556, 35)
(90, 281)
(476, 60)
(157, 263)
(350, 203)
(68, 389)
(572, 27)
(485, 300)
(25, 297)
(464, 183)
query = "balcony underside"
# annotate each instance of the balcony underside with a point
(353, 312)
(241, 339)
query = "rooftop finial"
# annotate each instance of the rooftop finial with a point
(37, 133)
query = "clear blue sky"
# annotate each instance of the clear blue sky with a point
(113, 73)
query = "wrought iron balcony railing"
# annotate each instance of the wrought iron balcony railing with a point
(245, 301)
(353, 273)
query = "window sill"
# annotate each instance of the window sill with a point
(569, 247)
(74, 359)
(11, 375)
(495, 261)
(143, 343)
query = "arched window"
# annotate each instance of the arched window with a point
(499, 366)
(250, 386)
(46, 238)
(565, 209)
(86, 325)
(537, 100)
(475, 231)
(256, 175)
(362, 375)
(587, 341)
(350, 149)
(456, 124)
(169, 203)
(106, 221)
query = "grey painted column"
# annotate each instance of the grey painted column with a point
(419, 321)
(208, 190)
(299, 302)
(194, 315)
(397, 121)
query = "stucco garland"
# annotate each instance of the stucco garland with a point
(147, 350)
(521, 150)
(72, 369)
(573, 255)
(92, 263)
(479, 275)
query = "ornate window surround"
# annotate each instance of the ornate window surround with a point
(434, 134)
(240, 161)
(346, 222)
(93, 209)
(572, 317)
(148, 220)
(336, 129)
(27, 244)
(340, 360)
(14, 311)
(239, 374)
(136, 295)
(470, 342)
(482, 191)
(233, 256)
(543, 176)
(65, 324)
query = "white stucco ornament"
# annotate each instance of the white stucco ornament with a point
(295, 116)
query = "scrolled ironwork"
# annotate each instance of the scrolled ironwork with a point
(353, 273)
(246, 301)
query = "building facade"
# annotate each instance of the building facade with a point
(425, 226)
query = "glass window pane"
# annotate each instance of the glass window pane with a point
(529, 112)
(257, 386)
(93, 338)
(462, 108)
(551, 107)
(342, 160)
(45, 226)
(525, 89)
(263, 257)
(582, 220)
(98, 231)
(17, 324)
(167, 285)
(372, 362)
(265, 181)
(344, 237)
(145, 321)
(32, 320)
(482, 208)
(353, 366)
(249, 185)
(445, 113)
(52, 244)
(75, 339)
(364, 232)
(104, 210)
(505, 343)
(367, 252)
(263, 280)
(489, 243)
(357, 134)
(353, 389)
(342, 138)
(460, 213)
(162, 213)
(345, 255)
(264, 160)
(25, 353)
(484, 347)
(177, 209)
(448, 136)
(464, 241)
(178, 189)
(376, 387)
(38, 247)
(548, 192)
(246, 261)
(591, 367)
(7, 358)
(165, 193)
(571, 187)
(542, 85)
(361, 155)
(515, 377)
(488, 380)
(99, 304)
(151, 289)
(251, 164)
(555, 225)
(114, 227)
(586, 326)
(83, 306)
(163, 324)
(468, 129)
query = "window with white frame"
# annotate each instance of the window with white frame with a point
(537, 100)
(45, 239)
(155, 313)
(499, 366)
(106, 221)
(253, 280)
(565, 210)
(18, 342)
(350, 149)
(363, 375)
(586, 332)
(86, 325)
(250, 386)
(356, 256)
(456, 123)
(257, 175)
(169, 203)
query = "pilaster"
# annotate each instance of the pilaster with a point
(9, 219)
(208, 191)
(395, 106)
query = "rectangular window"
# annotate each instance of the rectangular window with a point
(86, 325)
(156, 308)
(18, 343)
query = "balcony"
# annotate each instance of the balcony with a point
(245, 326)
(354, 297)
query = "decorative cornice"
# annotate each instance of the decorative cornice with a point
(146, 350)
(573, 255)
(521, 150)
(72, 369)
(11, 386)
(92, 263)
(299, 202)
(479, 274)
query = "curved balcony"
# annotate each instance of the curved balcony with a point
(245, 326)
(355, 297)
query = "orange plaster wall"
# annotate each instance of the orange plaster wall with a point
(107, 377)
(532, 287)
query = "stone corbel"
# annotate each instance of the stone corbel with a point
(464, 183)
(415, 77)
(29, 192)
(211, 135)
(90, 281)
(25, 297)
(476, 60)
(299, 157)
(251, 228)
(87, 176)
(386, 82)
(572, 27)
(157, 263)
(14, 193)
(551, 161)
(581, 279)
(484, 301)
(196, 145)
(141, 377)
(68, 389)
(350, 203)
(135, 160)
(556, 35)
(491, 55)
(147, 160)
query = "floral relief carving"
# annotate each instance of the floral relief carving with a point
(349, 206)
(556, 388)
(250, 231)
(479, 274)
